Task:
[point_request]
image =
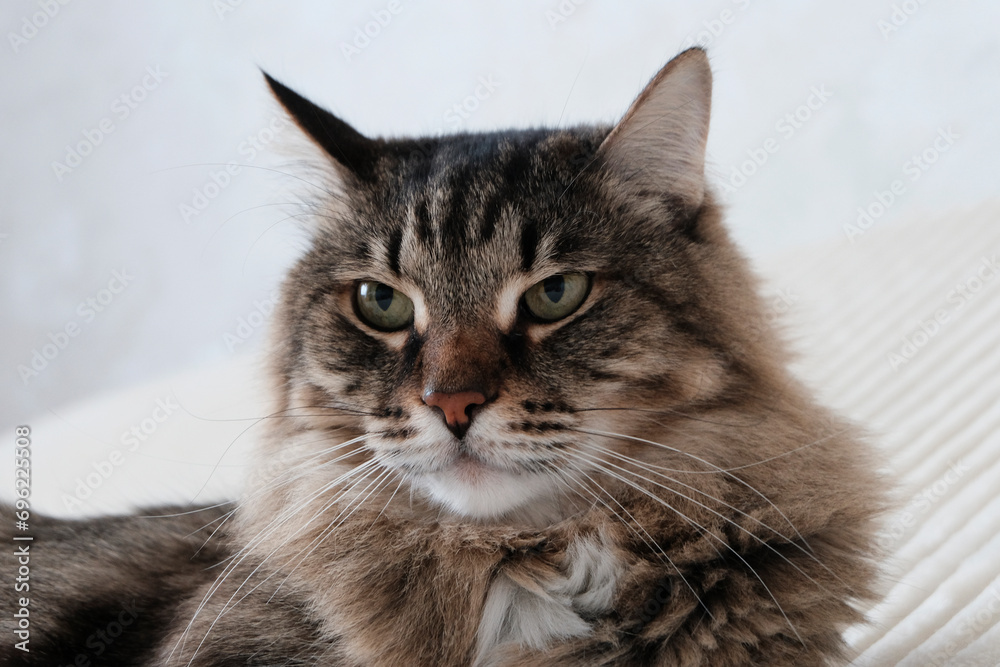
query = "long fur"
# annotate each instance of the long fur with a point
(644, 483)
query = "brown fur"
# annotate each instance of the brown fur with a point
(654, 431)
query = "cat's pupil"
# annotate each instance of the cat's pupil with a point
(554, 287)
(383, 296)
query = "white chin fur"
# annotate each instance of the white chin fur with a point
(488, 494)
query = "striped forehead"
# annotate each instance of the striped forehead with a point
(471, 217)
(463, 221)
(470, 190)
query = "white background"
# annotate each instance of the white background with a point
(192, 281)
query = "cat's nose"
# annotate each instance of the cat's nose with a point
(455, 406)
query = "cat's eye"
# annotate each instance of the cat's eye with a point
(557, 296)
(382, 307)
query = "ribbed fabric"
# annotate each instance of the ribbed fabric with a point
(936, 415)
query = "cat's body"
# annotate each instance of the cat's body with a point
(530, 412)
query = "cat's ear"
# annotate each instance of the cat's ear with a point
(660, 143)
(350, 149)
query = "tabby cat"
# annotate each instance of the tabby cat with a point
(530, 411)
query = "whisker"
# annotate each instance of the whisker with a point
(695, 524)
(194, 511)
(278, 414)
(208, 241)
(804, 551)
(238, 558)
(276, 522)
(240, 435)
(653, 545)
(216, 586)
(275, 571)
(718, 469)
(243, 269)
(672, 413)
(322, 189)
(651, 468)
(715, 468)
(278, 480)
(335, 524)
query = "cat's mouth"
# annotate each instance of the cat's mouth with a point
(471, 469)
(476, 488)
(476, 477)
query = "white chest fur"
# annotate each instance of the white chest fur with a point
(537, 615)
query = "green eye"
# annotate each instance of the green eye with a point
(382, 306)
(557, 296)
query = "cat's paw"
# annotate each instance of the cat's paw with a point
(549, 592)
(591, 567)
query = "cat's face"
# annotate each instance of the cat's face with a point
(482, 308)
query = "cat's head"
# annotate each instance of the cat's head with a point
(481, 308)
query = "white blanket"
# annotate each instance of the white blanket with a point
(900, 329)
(897, 328)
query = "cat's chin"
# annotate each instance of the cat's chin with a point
(474, 489)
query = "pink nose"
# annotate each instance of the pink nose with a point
(454, 407)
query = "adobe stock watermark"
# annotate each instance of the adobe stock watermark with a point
(461, 111)
(22, 538)
(363, 35)
(969, 630)
(284, 463)
(131, 440)
(922, 503)
(486, 86)
(86, 311)
(928, 328)
(786, 126)
(31, 24)
(121, 108)
(247, 325)
(225, 7)
(899, 15)
(561, 12)
(778, 304)
(220, 179)
(912, 170)
(713, 28)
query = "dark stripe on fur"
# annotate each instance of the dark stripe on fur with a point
(454, 226)
(395, 240)
(529, 244)
(425, 233)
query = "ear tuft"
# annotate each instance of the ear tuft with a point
(350, 149)
(660, 142)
